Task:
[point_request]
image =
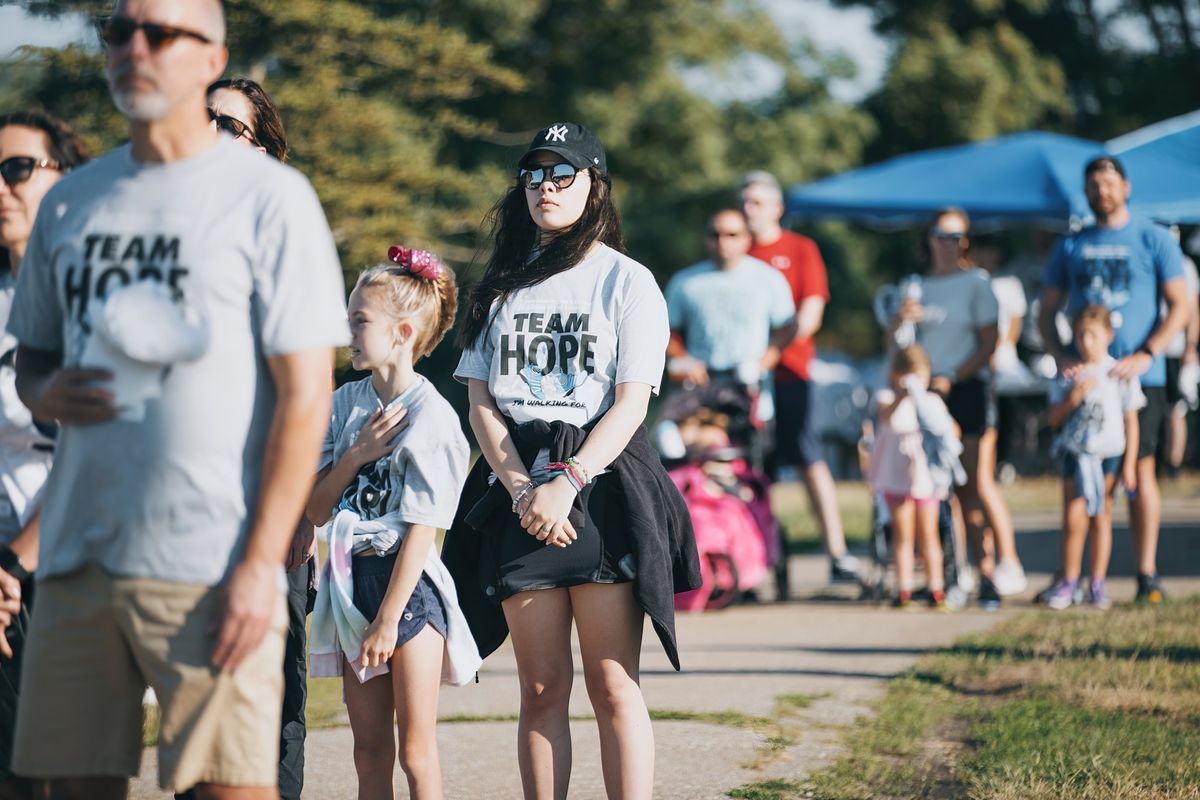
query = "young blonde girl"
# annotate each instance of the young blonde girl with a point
(387, 618)
(901, 473)
(1097, 419)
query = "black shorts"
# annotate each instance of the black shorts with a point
(1151, 419)
(371, 575)
(972, 405)
(523, 563)
(1172, 387)
(796, 441)
(10, 679)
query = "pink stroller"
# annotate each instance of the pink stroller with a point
(736, 533)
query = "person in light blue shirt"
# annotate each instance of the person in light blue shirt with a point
(1129, 266)
(728, 314)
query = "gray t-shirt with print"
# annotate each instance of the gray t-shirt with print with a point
(238, 236)
(422, 477)
(557, 350)
(955, 307)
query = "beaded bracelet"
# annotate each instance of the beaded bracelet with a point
(524, 490)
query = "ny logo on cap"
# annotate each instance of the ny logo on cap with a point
(558, 133)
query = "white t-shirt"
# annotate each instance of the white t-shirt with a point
(1011, 302)
(1097, 426)
(1192, 280)
(557, 350)
(955, 306)
(239, 236)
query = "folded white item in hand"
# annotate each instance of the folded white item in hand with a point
(138, 331)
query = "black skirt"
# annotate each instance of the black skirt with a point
(516, 561)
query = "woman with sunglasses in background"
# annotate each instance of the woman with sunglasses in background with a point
(569, 516)
(240, 107)
(954, 313)
(36, 149)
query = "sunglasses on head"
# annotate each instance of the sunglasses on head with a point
(231, 125)
(118, 31)
(947, 236)
(18, 169)
(561, 175)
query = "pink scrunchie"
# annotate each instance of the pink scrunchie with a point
(421, 263)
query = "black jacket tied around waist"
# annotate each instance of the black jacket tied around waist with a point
(660, 531)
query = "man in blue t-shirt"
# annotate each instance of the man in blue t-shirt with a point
(1130, 266)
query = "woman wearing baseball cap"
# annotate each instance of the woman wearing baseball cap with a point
(569, 516)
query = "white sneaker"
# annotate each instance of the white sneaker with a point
(1009, 578)
(966, 579)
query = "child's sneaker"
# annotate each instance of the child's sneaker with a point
(843, 569)
(937, 600)
(902, 601)
(1149, 590)
(1061, 595)
(1098, 596)
(989, 598)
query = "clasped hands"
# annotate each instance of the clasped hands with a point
(543, 512)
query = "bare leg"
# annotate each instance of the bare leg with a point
(540, 625)
(1146, 511)
(609, 622)
(1075, 530)
(822, 495)
(1176, 438)
(930, 543)
(903, 537)
(371, 709)
(994, 507)
(1101, 526)
(416, 676)
(974, 520)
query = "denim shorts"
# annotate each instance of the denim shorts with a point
(1110, 465)
(371, 575)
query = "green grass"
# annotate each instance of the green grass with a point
(1075, 705)
(769, 790)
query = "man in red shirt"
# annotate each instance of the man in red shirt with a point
(796, 442)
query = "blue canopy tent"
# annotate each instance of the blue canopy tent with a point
(1027, 177)
(1163, 160)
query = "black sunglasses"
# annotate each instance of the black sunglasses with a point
(18, 169)
(946, 236)
(231, 125)
(561, 175)
(118, 31)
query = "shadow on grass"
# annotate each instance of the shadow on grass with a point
(1174, 654)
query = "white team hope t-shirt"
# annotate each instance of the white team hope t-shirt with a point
(557, 350)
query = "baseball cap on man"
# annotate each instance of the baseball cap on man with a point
(579, 146)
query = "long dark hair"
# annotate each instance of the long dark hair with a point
(515, 235)
(268, 127)
(63, 145)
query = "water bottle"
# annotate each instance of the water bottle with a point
(906, 332)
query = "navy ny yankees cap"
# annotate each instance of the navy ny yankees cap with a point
(579, 146)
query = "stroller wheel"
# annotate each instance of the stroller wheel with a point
(724, 580)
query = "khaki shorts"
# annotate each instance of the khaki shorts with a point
(96, 642)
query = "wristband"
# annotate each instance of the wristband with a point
(12, 565)
(1146, 349)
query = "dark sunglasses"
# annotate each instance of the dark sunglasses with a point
(118, 31)
(18, 169)
(561, 175)
(945, 236)
(231, 125)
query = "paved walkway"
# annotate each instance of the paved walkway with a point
(741, 660)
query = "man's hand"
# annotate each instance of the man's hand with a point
(301, 549)
(72, 397)
(247, 604)
(1131, 366)
(10, 607)
(940, 384)
(687, 369)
